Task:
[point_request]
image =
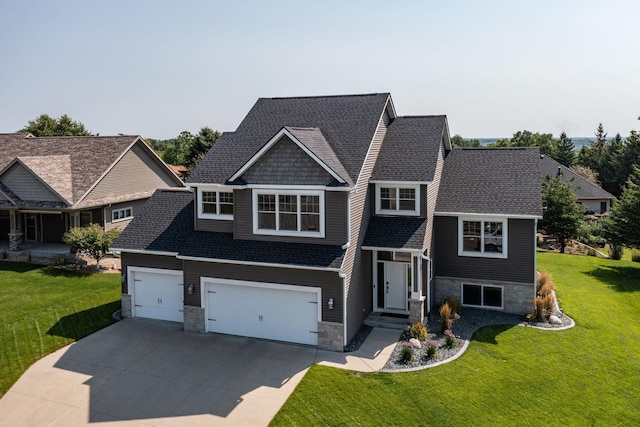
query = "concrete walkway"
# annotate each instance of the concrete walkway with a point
(143, 372)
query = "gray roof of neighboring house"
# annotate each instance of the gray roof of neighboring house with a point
(410, 149)
(396, 232)
(500, 181)
(165, 224)
(585, 189)
(70, 165)
(348, 124)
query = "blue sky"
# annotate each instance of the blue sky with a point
(156, 68)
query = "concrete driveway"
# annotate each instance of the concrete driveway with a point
(144, 372)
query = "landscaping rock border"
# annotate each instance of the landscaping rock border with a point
(471, 320)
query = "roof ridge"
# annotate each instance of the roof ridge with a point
(424, 116)
(329, 96)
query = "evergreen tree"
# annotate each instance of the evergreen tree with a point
(562, 215)
(565, 150)
(622, 225)
(609, 165)
(200, 145)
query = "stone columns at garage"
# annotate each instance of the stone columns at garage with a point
(330, 336)
(194, 319)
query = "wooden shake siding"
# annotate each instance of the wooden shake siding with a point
(136, 172)
(148, 261)
(26, 186)
(328, 281)
(432, 197)
(335, 205)
(519, 267)
(360, 208)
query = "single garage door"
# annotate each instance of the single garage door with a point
(282, 314)
(158, 294)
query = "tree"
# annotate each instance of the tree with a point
(587, 173)
(526, 138)
(199, 146)
(176, 152)
(610, 172)
(622, 225)
(562, 215)
(590, 156)
(46, 125)
(565, 150)
(458, 141)
(92, 240)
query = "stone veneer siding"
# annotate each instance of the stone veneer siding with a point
(518, 297)
(330, 336)
(194, 319)
(416, 310)
(126, 306)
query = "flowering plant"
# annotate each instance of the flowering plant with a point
(432, 349)
(449, 338)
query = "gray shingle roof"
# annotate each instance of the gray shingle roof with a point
(162, 224)
(410, 149)
(89, 158)
(585, 190)
(501, 181)
(396, 232)
(347, 122)
(165, 224)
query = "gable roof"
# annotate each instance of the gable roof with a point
(410, 149)
(583, 189)
(491, 181)
(70, 165)
(347, 124)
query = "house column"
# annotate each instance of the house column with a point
(15, 234)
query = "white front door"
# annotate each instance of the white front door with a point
(395, 283)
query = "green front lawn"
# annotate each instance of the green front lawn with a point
(588, 375)
(43, 309)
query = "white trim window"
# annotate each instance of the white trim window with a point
(482, 237)
(215, 204)
(483, 296)
(398, 199)
(123, 214)
(288, 212)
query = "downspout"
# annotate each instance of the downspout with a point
(344, 306)
(535, 256)
(346, 245)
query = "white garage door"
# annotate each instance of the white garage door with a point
(263, 312)
(158, 294)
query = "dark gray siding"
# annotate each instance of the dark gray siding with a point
(147, 261)
(519, 267)
(328, 281)
(335, 205)
(286, 164)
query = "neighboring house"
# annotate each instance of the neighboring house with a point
(592, 197)
(50, 184)
(318, 211)
(180, 170)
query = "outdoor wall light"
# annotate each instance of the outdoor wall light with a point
(190, 289)
(330, 303)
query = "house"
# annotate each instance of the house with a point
(592, 197)
(50, 184)
(320, 211)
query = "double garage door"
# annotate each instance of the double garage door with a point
(157, 294)
(276, 312)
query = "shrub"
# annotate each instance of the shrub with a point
(635, 256)
(449, 338)
(418, 331)
(445, 317)
(546, 289)
(432, 349)
(406, 353)
(615, 251)
(455, 305)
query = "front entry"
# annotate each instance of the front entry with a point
(393, 285)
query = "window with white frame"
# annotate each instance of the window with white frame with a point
(121, 214)
(482, 237)
(484, 296)
(392, 199)
(287, 212)
(215, 204)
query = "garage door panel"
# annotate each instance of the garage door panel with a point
(260, 312)
(158, 295)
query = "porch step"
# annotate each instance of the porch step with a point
(378, 320)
